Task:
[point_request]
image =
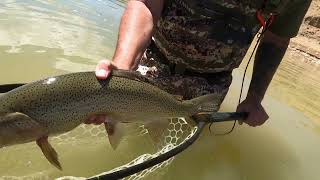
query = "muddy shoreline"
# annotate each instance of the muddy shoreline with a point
(307, 43)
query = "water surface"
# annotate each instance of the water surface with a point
(40, 38)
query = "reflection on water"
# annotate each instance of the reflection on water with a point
(40, 38)
(45, 62)
(78, 28)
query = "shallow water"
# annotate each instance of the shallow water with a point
(40, 38)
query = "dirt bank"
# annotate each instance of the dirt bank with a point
(307, 43)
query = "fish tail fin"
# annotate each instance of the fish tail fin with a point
(205, 103)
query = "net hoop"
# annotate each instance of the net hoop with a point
(125, 171)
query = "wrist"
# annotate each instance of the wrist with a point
(123, 64)
(254, 97)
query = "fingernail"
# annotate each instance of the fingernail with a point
(106, 62)
(92, 118)
(106, 119)
(89, 120)
(102, 73)
(97, 123)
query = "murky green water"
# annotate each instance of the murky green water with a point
(39, 38)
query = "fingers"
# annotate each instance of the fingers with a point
(96, 119)
(240, 109)
(103, 69)
(257, 115)
(257, 118)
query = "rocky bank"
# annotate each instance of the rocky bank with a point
(307, 43)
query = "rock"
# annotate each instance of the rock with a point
(313, 21)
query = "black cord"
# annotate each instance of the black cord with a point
(242, 83)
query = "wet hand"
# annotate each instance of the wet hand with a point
(257, 115)
(96, 119)
(103, 69)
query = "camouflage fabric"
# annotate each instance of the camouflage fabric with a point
(187, 87)
(214, 35)
(204, 40)
(209, 36)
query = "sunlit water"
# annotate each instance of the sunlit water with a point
(39, 38)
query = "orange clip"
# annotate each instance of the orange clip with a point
(264, 24)
(260, 18)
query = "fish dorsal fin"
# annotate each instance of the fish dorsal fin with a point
(133, 75)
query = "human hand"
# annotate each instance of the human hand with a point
(103, 70)
(257, 115)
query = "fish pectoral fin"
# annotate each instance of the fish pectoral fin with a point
(156, 129)
(20, 128)
(178, 97)
(49, 152)
(115, 131)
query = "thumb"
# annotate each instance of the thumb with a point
(103, 69)
(240, 108)
(240, 122)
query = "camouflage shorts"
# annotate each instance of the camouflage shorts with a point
(184, 85)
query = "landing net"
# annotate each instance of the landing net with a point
(177, 132)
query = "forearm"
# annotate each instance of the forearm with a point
(268, 57)
(135, 32)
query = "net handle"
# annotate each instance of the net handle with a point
(154, 161)
(8, 87)
(220, 116)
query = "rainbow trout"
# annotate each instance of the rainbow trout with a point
(59, 104)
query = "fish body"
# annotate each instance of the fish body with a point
(59, 104)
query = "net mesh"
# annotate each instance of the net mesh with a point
(176, 133)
